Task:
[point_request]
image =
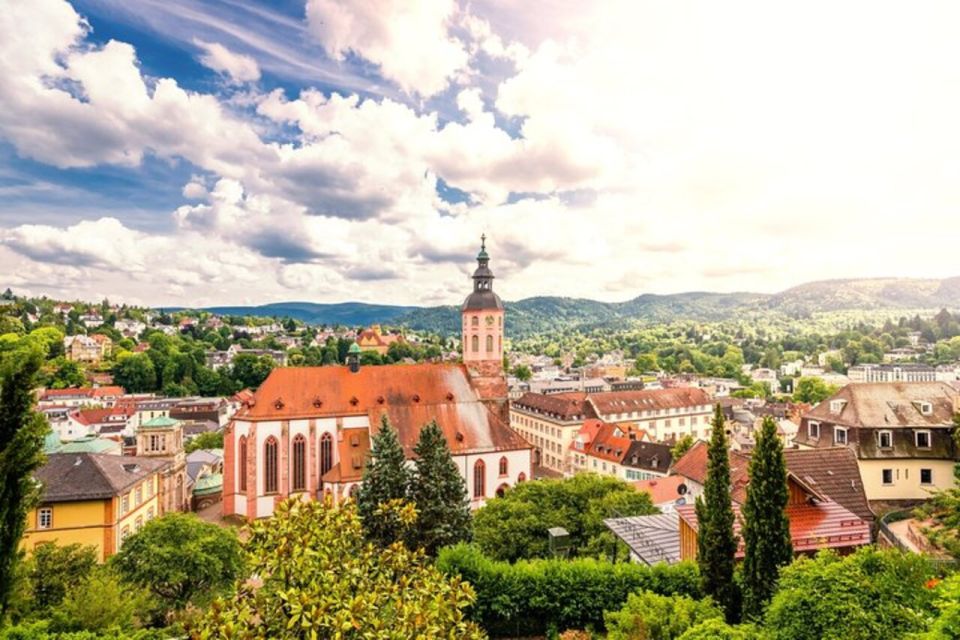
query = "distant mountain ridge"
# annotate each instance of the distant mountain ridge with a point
(543, 313)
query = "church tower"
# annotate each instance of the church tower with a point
(482, 320)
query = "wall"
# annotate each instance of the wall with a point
(906, 478)
(73, 522)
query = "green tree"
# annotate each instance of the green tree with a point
(650, 616)
(136, 373)
(386, 478)
(100, 603)
(439, 494)
(766, 528)
(716, 544)
(209, 440)
(180, 559)
(52, 570)
(250, 370)
(717, 629)
(947, 624)
(316, 576)
(681, 447)
(66, 374)
(22, 431)
(522, 372)
(813, 390)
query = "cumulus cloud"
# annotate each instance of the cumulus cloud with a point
(238, 68)
(410, 41)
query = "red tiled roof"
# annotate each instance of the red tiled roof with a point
(607, 445)
(354, 448)
(566, 406)
(693, 465)
(661, 490)
(813, 526)
(113, 390)
(411, 396)
(98, 416)
(646, 399)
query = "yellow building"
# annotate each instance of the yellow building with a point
(94, 499)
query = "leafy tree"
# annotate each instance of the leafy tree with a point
(53, 570)
(180, 559)
(316, 576)
(439, 494)
(515, 525)
(947, 624)
(370, 359)
(717, 629)
(766, 529)
(250, 370)
(869, 595)
(66, 374)
(386, 477)
(136, 373)
(716, 544)
(209, 440)
(681, 447)
(522, 372)
(22, 431)
(650, 616)
(813, 390)
(100, 603)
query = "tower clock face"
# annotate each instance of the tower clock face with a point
(489, 321)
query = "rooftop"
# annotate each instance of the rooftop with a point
(71, 477)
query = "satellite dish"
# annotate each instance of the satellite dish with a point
(682, 489)
(680, 501)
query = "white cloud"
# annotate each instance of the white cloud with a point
(239, 68)
(410, 41)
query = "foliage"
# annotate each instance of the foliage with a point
(386, 477)
(22, 431)
(63, 373)
(249, 370)
(869, 595)
(515, 525)
(717, 629)
(100, 603)
(716, 544)
(682, 445)
(947, 624)
(52, 570)
(180, 559)
(530, 596)
(439, 494)
(208, 440)
(766, 529)
(813, 390)
(943, 510)
(650, 616)
(522, 372)
(315, 576)
(135, 373)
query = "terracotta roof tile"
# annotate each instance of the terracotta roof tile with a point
(609, 402)
(661, 490)
(567, 406)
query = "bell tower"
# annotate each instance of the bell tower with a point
(482, 330)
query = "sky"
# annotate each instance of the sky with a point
(203, 152)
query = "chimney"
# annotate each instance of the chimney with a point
(353, 358)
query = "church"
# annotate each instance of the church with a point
(307, 430)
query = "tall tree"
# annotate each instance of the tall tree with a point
(386, 477)
(716, 544)
(439, 494)
(766, 528)
(22, 431)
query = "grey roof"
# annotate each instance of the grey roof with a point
(653, 538)
(480, 300)
(648, 453)
(70, 477)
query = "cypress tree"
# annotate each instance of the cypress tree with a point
(766, 528)
(716, 544)
(386, 477)
(22, 431)
(439, 493)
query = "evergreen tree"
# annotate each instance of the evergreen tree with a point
(766, 528)
(439, 493)
(716, 544)
(22, 431)
(385, 478)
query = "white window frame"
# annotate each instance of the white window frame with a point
(846, 436)
(880, 435)
(45, 518)
(811, 425)
(916, 439)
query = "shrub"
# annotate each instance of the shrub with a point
(522, 599)
(716, 629)
(650, 616)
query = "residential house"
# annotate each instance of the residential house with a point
(130, 328)
(623, 452)
(901, 432)
(93, 499)
(91, 320)
(80, 397)
(88, 349)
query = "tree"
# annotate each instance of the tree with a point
(681, 447)
(716, 544)
(22, 432)
(180, 559)
(522, 372)
(53, 570)
(943, 510)
(136, 373)
(250, 370)
(650, 616)
(316, 576)
(439, 494)
(209, 440)
(386, 477)
(813, 390)
(766, 528)
(66, 374)
(100, 603)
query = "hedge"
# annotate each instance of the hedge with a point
(534, 597)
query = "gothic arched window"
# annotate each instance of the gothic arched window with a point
(299, 479)
(475, 321)
(503, 466)
(475, 344)
(326, 453)
(270, 465)
(489, 344)
(242, 459)
(479, 479)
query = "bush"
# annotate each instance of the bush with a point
(649, 616)
(716, 629)
(870, 595)
(533, 597)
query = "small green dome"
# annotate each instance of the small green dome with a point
(354, 349)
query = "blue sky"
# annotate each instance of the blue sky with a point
(198, 152)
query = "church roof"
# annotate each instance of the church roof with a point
(482, 300)
(411, 396)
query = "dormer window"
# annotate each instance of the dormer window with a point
(922, 439)
(924, 407)
(885, 439)
(836, 406)
(813, 430)
(839, 435)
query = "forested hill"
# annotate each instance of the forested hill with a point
(545, 313)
